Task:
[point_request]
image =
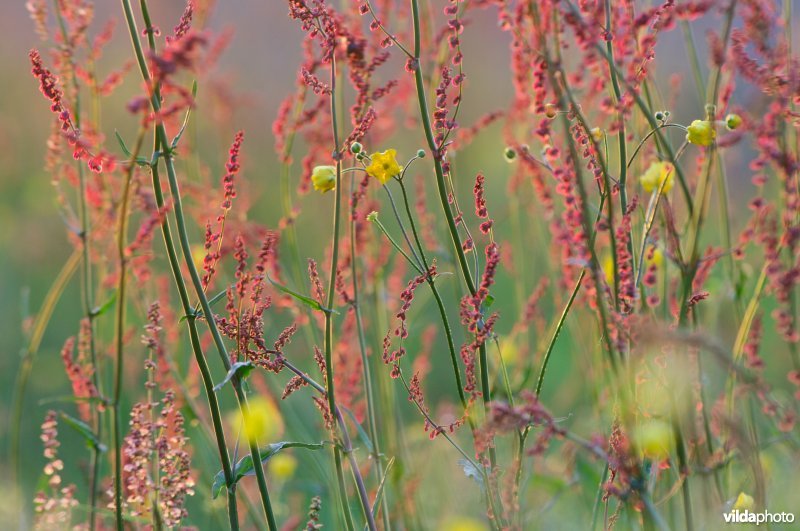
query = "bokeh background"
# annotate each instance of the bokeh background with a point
(253, 75)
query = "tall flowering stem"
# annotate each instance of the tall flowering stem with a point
(122, 257)
(362, 345)
(443, 197)
(164, 145)
(329, 377)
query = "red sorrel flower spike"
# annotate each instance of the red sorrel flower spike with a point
(316, 283)
(232, 167)
(48, 85)
(184, 24)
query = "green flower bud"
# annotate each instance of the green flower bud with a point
(733, 121)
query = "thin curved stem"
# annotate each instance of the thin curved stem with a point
(368, 390)
(122, 229)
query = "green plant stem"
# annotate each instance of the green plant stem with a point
(559, 326)
(442, 189)
(38, 328)
(565, 312)
(621, 139)
(368, 390)
(329, 376)
(122, 228)
(431, 281)
(702, 192)
(403, 230)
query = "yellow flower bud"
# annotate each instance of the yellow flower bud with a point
(744, 502)
(384, 165)
(550, 110)
(324, 178)
(654, 439)
(597, 134)
(701, 133)
(657, 173)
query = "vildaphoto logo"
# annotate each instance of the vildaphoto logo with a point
(746, 516)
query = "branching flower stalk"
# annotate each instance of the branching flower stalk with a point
(442, 190)
(165, 153)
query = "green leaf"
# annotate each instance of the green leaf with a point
(487, 303)
(81, 427)
(122, 144)
(361, 433)
(177, 138)
(308, 301)
(141, 161)
(471, 472)
(103, 308)
(379, 493)
(240, 369)
(213, 300)
(245, 465)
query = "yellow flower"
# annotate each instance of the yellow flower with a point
(324, 178)
(657, 173)
(384, 165)
(701, 133)
(509, 350)
(608, 269)
(744, 502)
(282, 466)
(198, 255)
(463, 523)
(654, 439)
(262, 424)
(597, 134)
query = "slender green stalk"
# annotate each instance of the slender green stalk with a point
(702, 192)
(442, 189)
(122, 242)
(623, 155)
(368, 390)
(564, 313)
(403, 229)
(559, 326)
(38, 328)
(329, 377)
(431, 281)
